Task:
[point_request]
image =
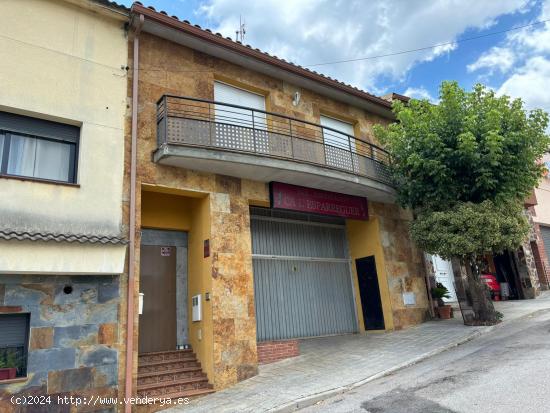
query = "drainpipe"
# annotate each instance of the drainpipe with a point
(132, 244)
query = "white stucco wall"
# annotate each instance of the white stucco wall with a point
(60, 61)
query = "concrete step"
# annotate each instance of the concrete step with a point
(170, 371)
(170, 376)
(165, 355)
(189, 358)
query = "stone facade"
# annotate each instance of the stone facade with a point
(225, 340)
(526, 262)
(541, 258)
(404, 265)
(74, 338)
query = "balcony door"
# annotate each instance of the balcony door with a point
(236, 127)
(337, 143)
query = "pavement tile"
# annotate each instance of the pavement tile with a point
(331, 363)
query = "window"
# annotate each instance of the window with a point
(236, 116)
(333, 138)
(37, 148)
(14, 337)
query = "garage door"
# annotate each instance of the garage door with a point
(302, 280)
(545, 232)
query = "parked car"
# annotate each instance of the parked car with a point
(492, 283)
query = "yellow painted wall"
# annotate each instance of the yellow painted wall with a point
(192, 214)
(62, 62)
(200, 282)
(364, 240)
(159, 210)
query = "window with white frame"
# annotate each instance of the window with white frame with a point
(37, 148)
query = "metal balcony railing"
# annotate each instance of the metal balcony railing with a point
(208, 124)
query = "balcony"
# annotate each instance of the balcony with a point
(247, 143)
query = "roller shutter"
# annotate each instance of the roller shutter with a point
(302, 279)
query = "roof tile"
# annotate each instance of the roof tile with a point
(8, 234)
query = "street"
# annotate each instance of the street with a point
(502, 371)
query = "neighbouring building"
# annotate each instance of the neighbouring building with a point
(264, 212)
(62, 238)
(520, 272)
(541, 222)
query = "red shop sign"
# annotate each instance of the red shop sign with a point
(317, 201)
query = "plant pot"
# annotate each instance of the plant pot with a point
(444, 312)
(8, 373)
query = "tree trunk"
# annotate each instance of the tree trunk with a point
(473, 296)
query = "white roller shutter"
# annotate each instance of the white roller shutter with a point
(236, 116)
(331, 137)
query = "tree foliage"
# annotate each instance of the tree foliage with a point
(465, 167)
(470, 229)
(471, 147)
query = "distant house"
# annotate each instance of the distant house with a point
(541, 220)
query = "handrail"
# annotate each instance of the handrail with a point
(213, 102)
(206, 123)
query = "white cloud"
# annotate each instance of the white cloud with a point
(500, 59)
(419, 93)
(529, 82)
(314, 31)
(529, 75)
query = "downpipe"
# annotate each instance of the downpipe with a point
(132, 238)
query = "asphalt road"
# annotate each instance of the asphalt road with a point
(506, 370)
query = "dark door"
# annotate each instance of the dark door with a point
(373, 315)
(157, 323)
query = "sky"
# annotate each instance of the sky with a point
(309, 32)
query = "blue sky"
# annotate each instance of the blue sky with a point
(314, 31)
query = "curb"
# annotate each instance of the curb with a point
(317, 397)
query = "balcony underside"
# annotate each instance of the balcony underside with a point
(266, 169)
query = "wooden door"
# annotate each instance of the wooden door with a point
(157, 323)
(369, 290)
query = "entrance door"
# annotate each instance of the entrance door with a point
(369, 290)
(444, 274)
(157, 323)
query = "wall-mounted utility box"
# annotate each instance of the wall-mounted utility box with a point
(197, 307)
(409, 298)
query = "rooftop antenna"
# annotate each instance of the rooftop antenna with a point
(239, 34)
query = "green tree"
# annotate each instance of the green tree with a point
(465, 166)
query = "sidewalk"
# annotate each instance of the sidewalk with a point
(332, 365)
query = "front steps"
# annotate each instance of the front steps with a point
(171, 375)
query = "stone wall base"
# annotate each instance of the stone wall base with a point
(271, 351)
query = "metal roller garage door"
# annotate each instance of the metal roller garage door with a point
(545, 232)
(302, 280)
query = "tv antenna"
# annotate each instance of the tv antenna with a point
(239, 34)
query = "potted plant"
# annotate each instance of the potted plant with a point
(439, 292)
(9, 364)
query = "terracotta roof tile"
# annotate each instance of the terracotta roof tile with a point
(8, 234)
(335, 82)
